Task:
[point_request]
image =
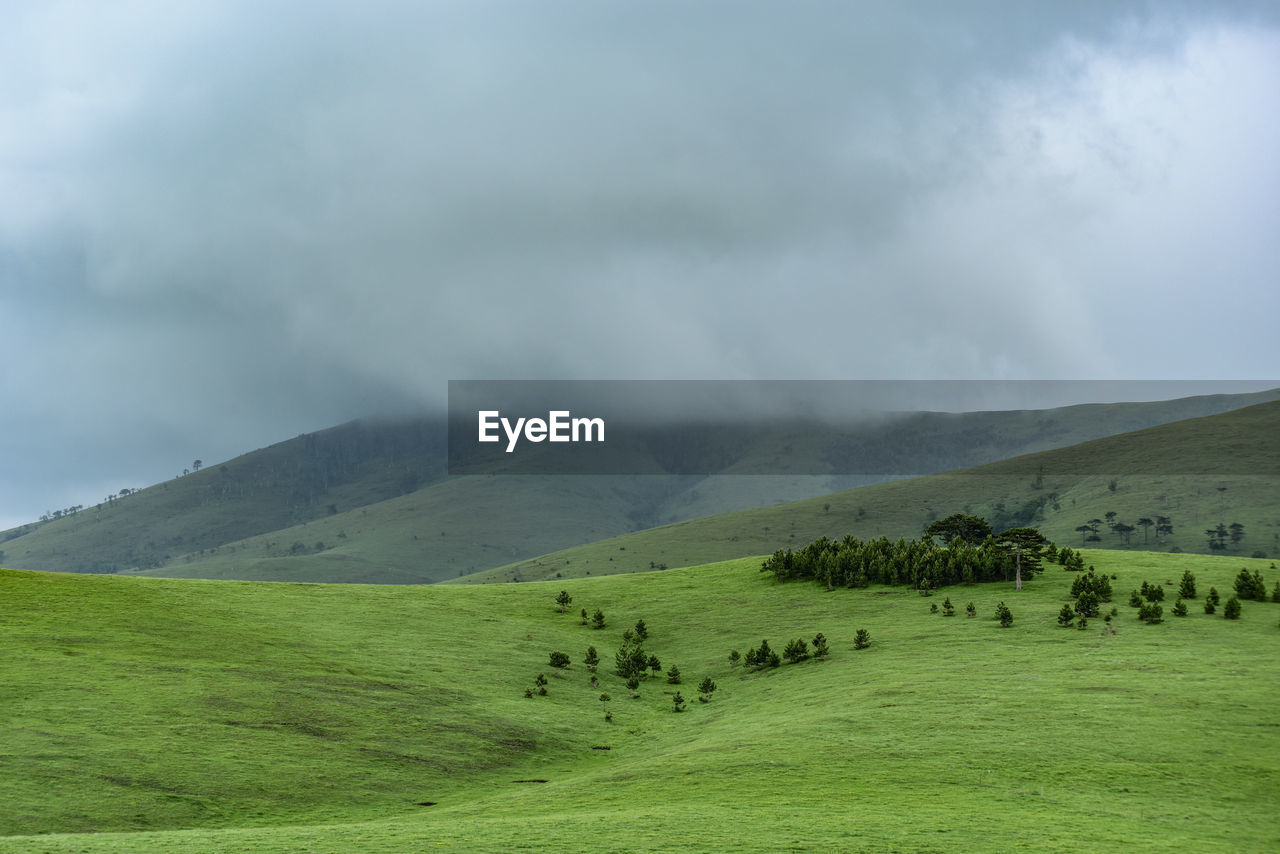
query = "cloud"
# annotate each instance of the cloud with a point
(222, 224)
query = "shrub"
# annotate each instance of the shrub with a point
(563, 599)
(673, 675)
(677, 702)
(597, 619)
(820, 645)
(734, 657)
(559, 660)
(705, 689)
(1179, 608)
(1135, 601)
(948, 610)
(971, 610)
(592, 659)
(1151, 613)
(862, 639)
(1004, 615)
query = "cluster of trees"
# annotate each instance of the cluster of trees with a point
(49, 515)
(970, 553)
(1090, 591)
(796, 650)
(564, 600)
(1162, 524)
(1218, 536)
(1252, 586)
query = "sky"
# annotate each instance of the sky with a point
(223, 224)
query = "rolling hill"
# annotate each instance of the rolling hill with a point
(155, 715)
(369, 501)
(1159, 471)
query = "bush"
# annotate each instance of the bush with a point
(1151, 613)
(559, 660)
(1135, 601)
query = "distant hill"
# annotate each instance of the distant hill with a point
(1158, 472)
(369, 501)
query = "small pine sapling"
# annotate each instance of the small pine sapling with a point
(1213, 596)
(597, 619)
(1231, 610)
(1005, 615)
(820, 650)
(678, 702)
(971, 610)
(1135, 600)
(1187, 587)
(592, 659)
(633, 684)
(563, 599)
(1179, 608)
(862, 639)
(584, 616)
(796, 650)
(948, 610)
(1066, 617)
(734, 657)
(641, 631)
(1208, 605)
(933, 609)
(559, 660)
(705, 689)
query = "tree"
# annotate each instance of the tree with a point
(584, 616)
(1213, 596)
(1179, 608)
(948, 610)
(820, 646)
(563, 599)
(1005, 615)
(1275, 591)
(971, 530)
(734, 657)
(759, 656)
(862, 639)
(1087, 604)
(592, 659)
(633, 684)
(678, 702)
(1187, 587)
(654, 664)
(1209, 607)
(1151, 613)
(597, 619)
(1026, 545)
(797, 650)
(1146, 525)
(1135, 600)
(197, 465)
(560, 660)
(1066, 617)
(604, 701)
(673, 675)
(706, 688)
(641, 631)
(971, 610)
(1231, 610)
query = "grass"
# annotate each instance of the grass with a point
(154, 715)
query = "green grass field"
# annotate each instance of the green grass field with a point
(156, 715)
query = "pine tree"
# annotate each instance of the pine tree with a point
(773, 660)
(948, 610)
(678, 702)
(1005, 615)
(1066, 617)
(862, 639)
(584, 616)
(1135, 601)
(1231, 610)
(1087, 604)
(734, 658)
(563, 599)
(933, 609)
(592, 659)
(796, 650)
(1187, 589)
(1179, 608)
(597, 619)
(971, 610)
(1208, 605)
(706, 688)
(1275, 591)
(1213, 596)
(633, 684)
(820, 650)
(641, 632)
(559, 660)
(673, 675)
(654, 664)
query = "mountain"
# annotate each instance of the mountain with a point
(369, 501)
(1197, 473)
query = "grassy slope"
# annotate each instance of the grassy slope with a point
(244, 522)
(280, 718)
(1246, 440)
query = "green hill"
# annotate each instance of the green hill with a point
(369, 501)
(1145, 474)
(154, 715)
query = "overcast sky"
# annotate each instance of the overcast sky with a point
(223, 224)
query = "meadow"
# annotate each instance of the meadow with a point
(157, 715)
